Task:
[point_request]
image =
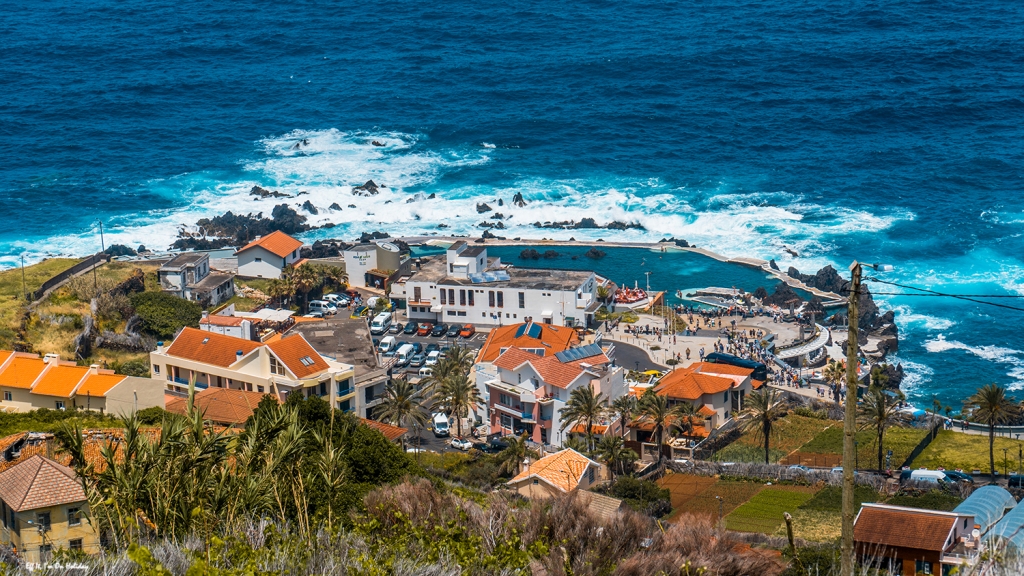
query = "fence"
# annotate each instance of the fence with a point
(932, 431)
(77, 268)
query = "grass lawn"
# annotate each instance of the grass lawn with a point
(790, 433)
(814, 525)
(47, 421)
(763, 512)
(954, 450)
(901, 441)
(241, 304)
(261, 284)
(684, 487)
(733, 493)
(12, 296)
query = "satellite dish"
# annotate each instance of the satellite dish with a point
(975, 533)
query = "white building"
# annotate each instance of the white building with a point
(227, 325)
(530, 390)
(465, 286)
(188, 275)
(370, 265)
(267, 256)
(281, 367)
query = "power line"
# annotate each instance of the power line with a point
(933, 293)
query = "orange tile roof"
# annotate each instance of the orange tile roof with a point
(549, 368)
(390, 432)
(720, 368)
(222, 405)
(897, 527)
(39, 483)
(276, 242)
(582, 428)
(209, 347)
(756, 384)
(705, 411)
(7, 441)
(298, 356)
(563, 470)
(687, 385)
(553, 339)
(97, 385)
(60, 381)
(222, 320)
(22, 372)
(4, 354)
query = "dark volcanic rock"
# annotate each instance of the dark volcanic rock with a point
(370, 236)
(487, 235)
(588, 224)
(550, 254)
(141, 249)
(231, 229)
(814, 306)
(264, 193)
(431, 196)
(442, 226)
(119, 250)
(501, 202)
(368, 189)
(482, 207)
(783, 296)
(773, 265)
(761, 293)
(529, 254)
(334, 206)
(793, 273)
(594, 253)
(518, 200)
(308, 207)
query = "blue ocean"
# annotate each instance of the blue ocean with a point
(883, 131)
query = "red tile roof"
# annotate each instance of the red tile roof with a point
(549, 368)
(390, 432)
(892, 526)
(705, 411)
(209, 347)
(39, 483)
(222, 405)
(222, 320)
(276, 242)
(756, 384)
(687, 385)
(298, 355)
(553, 339)
(720, 368)
(99, 384)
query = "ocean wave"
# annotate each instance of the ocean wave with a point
(915, 374)
(907, 318)
(1014, 359)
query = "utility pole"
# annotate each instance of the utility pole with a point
(24, 287)
(850, 421)
(103, 247)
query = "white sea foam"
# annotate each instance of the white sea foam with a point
(907, 318)
(915, 374)
(1009, 357)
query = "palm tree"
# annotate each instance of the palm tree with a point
(990, 406)
(457, 397)
(686, 413)
(302, 279)
(762, 409)
(612, 451)
(880, 411)
(625, 408)
(457, 361)
(510, 460)
(657, 410)
(835, 374)
(403, 405)
(584, 407)
(603, 294)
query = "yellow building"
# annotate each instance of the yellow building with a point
(43, 509)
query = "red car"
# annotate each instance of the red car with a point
(425, 329)
(467, 331)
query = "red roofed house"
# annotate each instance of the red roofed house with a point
(43, 508)
(279, 367)
(529, 390)
(556, 474)
(266, 256)
(28, 382)
(717, 390)
(912, 540)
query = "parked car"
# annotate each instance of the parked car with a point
(433, 358)
(800, 468)
(322, 306)
(425, 372)
(313, 315)
(956, 476)
(410, 328)
(453, 331)
(467, 331)
(425, 329)
(440, 424)
(417, 347)
(417, 360)
(439, 330)
(461, 444)
(396, 328)
(431, 347)
(338, 299)
(1015, 481)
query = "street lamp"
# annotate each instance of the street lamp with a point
(850, 412)
(103, 247)
(721, 505)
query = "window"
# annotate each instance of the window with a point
(501, 299)
(444, 296)
(451, 312)
(156, 368)
(75, 544)
(505, 400)
(258, 260)
(522, 299)
(471, 298)
(590, 475)
(451, 295)
(43, 521)
(59, 404)
(726, 395)
(7, 396)
(462, 297)
(416, 293)
(74, 516)
(490, 298)
(276, 367)
(259, 389)
(923, 567)
(323, 388)
(462, 313)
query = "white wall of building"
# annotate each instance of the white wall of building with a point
(258, 262)
(547, 306)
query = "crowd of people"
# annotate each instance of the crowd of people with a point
(629, 295)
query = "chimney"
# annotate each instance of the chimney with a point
(205, 314)
(160, 346)
(238, 355)
(94, 368)
(51, 358)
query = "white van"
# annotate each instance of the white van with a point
(441, 425)
(404, 354)
(386, 344)
(426, 372)
(322, 306)
(931, 476)
(433, 358)
(380, 323)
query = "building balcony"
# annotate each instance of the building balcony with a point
(342, 392)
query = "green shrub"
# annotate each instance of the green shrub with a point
(138, 367)
(152, 416)
(830, 498)
(807, 412)
(642, 495)
(930, 500)
(163, 314)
